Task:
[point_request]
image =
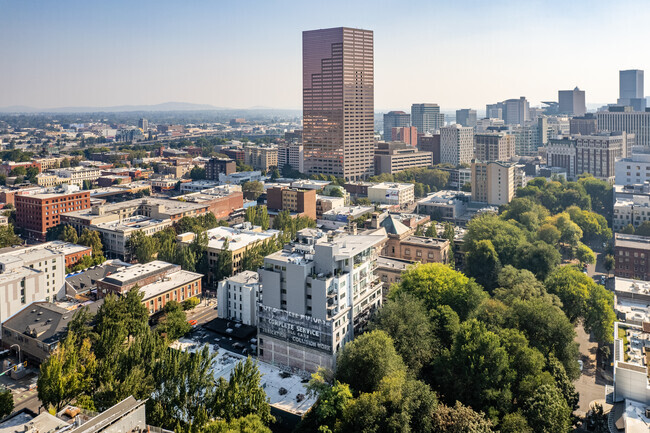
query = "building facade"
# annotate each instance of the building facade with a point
(406, 134)
(493, 182)
(572, 102)
(494, 146)
(317, 295)
(634, 170)
(238, 297)
(427, 118)
(215, 166)
(456, 144)
(632, 255)
(395, 194)
(637, 123)
(395, 119)
(466, 117)
(338, 102)
(291, 154)
(394, 157)
(260, 157)
(295, 200)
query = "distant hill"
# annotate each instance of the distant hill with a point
(166, 106)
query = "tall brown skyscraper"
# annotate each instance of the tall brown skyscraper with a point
(338, 102)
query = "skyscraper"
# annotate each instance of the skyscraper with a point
(427, 118)
(395, 119)
(631, 89)
(466, 117)
(572, 102)
(338, 102)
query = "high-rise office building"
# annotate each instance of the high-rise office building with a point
(637, 123)
(456, 144)
(572, 102)
(395, 119)
(631, 89)
(466, 117)
(493, 182)
(143, 124)
(427, 118)
(338, 102)
(583, 125)
(512, 111)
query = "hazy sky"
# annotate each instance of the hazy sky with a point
(241, 54)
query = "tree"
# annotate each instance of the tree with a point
(609, 263)
(67, 372)
(540, 258)
(142, 247)
(628, 229)
(246, 424)
(437, 284)
(599, 318)
(197, 173)
(406, 321)
(87, 184)
(6, 403)
(242, 394)
(596, 420)
(549, 234)
(252, 189)
(91, 239)
(585, 255)
(365, 361)
(515, 422)
(460, 419)
(69, 234)
(8, 237)
(505, 236)
(431, 231)
(482, 263)
(573, 288)
(223, 266)
(547, 411)
(174, 322)
(519, 284)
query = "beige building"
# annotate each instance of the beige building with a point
(493, 182)
(397, 194)
(494, 146)
(338, 102)
(397, 156)
(261, 157)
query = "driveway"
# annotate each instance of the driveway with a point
(590, 384)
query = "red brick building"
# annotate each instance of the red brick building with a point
(236, 154)
(35, 213)
(8, 166)
(632, 256)
(405, 134)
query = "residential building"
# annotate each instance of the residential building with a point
(158, 281)
(396, 156)
(631, 211)
(8, 166)
(396, 194)
(422, 249)
(458, 177)
(326, 203)
(405, 134)
(390, 271)
(221, 200)
(77, 175)
(115, 234)
(561, 152)
(236, 154)
(238, 297)
(317, 295)
(427, 118)
(343, 217)
(430, 143)
(216, 166)
(261, 157)
(572, 102)
(456, 144)
(291, 154)
(493, 182)
(338, 106)
(239, 240)
(637, 123)
(299, 201)
(494, 146)
(631, 89)
(632, 255)
(466, 117)
(395, 119)
(634, 170)
(583, 125)
(37, 212)
(596, 154)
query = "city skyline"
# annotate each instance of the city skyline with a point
(238, 56)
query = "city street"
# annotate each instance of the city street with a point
(24, 398)
(590, 384)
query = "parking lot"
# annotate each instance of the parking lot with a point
(202, 335)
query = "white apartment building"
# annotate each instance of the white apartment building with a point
(292, 154)
(317, 295)
(28, 275)
(115, 234)
(634, 170)
(77, 175)
(392, 193)
(493, 182)
(238, 296)
(456, 144)
(633, 211)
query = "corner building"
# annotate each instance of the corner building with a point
(338, 102)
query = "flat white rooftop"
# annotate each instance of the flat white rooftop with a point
(272, 379)
(167, 283)
(237, 239)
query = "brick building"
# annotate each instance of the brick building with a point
(632, 255)
(219, 165)
(35, 213)
(300, 201)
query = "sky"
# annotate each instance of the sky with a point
(242, 54)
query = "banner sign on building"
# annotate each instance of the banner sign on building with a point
(296, 328)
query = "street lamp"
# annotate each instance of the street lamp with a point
(20, 361)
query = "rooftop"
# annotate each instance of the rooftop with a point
(245, 277)
(273, 379)
(631, 241)
(391, 263)
(392, 185)
(133, 274)
(168, 282)
(41, 320)
(25, 423)
(425, 241)
(237, 239)
(446, 196)
(137, 222)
